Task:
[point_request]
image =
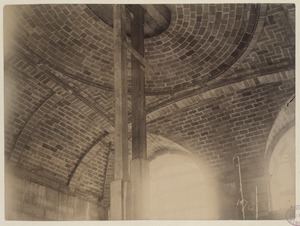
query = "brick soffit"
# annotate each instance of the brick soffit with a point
(178, 100)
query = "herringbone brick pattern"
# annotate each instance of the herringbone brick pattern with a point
(219, 76)
(275, 45)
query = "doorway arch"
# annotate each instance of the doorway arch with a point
(282, 173)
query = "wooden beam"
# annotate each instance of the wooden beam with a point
(138, 85)
(103, 11)
(137, 56)
(156, 16)
(118, 194)
(120, 84)
(164, 11)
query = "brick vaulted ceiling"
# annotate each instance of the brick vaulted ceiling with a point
(220, 74)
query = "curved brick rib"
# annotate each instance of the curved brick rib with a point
(252, 43)
(157, 143)
(251, 74)
(244, 53)
(90, 172)
(60, 92)
(222, 90)
(201, 42)
(92, 145)
(216, 128)
(90, 103)
(41, 111)
(79, 77)
(230, 115)
(194, 53)
(160, 145)
(289, 10)
(78, 50)
(37, 92)
(284, 121)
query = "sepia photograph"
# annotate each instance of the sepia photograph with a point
(125, 112)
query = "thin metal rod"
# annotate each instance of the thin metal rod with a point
(256, 203)
(241, 188)
(241, 185)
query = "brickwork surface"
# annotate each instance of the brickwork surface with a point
(218, 128)
(275, 46)
(285, 119)
(220, 79)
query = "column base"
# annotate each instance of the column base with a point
(118, 197)
(139, 189)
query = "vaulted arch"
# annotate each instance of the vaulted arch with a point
(181, 186)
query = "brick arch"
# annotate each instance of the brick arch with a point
(160, 145)
(59, 103)
(64, 41)
(218, 91)
(290, 12)
(227, 122)
(90, 174)
(20, 112)
(87, 52)
(57, 143)
(56, 91)
(252, 43)
(44, 74)
(284, 121)
(63, 101)
(205, 186)
(20, 145)
(64, 84)
(210, 44)
(281, 172)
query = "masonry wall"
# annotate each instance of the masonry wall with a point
(25, 200)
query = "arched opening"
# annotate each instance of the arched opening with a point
(180, 189)
(282, 174)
